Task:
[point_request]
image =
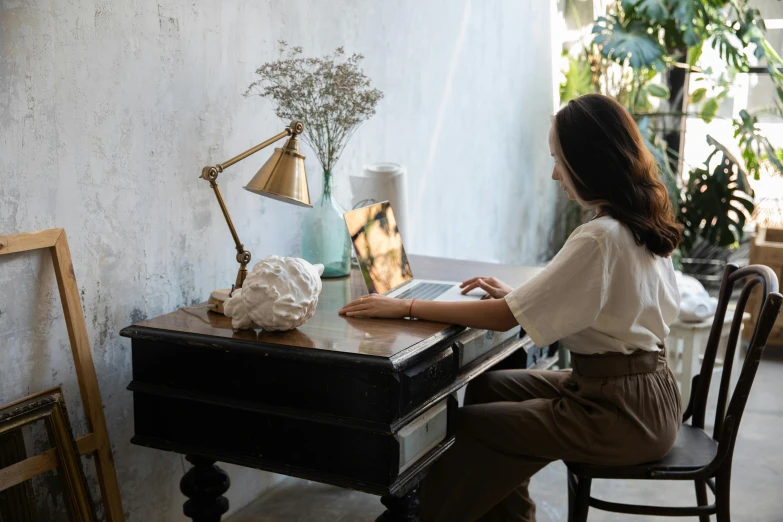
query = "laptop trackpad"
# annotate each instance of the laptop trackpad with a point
(455, 294)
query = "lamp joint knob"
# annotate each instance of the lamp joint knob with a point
(296, 128)
(243, 257)
(210, 173)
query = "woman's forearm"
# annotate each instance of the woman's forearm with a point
(488, 314)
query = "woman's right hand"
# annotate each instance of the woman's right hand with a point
(496, 288)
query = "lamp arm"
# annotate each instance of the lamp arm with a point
(211, 173)
(250, 152)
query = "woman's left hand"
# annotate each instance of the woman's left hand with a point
(377, 305)
(495, 288)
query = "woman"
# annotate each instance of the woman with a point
(608, 296)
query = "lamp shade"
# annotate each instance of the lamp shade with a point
(283, 176)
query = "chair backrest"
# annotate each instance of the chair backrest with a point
(727, 418)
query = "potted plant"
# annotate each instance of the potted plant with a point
(332, 96)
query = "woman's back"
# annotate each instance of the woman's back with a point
(641, 300)
(602, 293)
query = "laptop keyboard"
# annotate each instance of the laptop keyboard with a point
(425, 291)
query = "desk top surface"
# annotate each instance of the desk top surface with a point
(326, 330)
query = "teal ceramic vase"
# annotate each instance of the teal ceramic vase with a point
(325, 238)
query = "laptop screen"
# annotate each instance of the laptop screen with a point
(378, 246)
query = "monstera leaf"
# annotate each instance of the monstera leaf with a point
(742, 178)
(756, 148)
(655, 10)
(717, 201)
(725, 42)
(632, 42)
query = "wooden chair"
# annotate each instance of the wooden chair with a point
(697, 456)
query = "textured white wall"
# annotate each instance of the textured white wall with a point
(468, 98)
(109, 109)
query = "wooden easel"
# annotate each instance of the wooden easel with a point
(96, 441)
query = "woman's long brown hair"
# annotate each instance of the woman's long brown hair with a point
(610, 168)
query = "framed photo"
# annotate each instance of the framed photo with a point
(49, 406)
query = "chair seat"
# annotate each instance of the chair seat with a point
(692, 450)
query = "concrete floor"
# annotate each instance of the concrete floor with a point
(757, 485)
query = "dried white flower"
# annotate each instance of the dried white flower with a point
(331, 97)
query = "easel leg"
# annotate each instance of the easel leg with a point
(401, 509)
(204, 484)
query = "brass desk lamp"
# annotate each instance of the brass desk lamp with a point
(282, 178)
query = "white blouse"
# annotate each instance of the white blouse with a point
(601, 293)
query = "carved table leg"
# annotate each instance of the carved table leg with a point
(401, 509)
(204, 484)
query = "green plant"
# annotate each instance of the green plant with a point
(622, 38)
(716, 200)
(578, 79)
(641, 53)
(756, 148)
(658, 32)
(664, 35)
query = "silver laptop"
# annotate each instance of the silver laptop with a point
(381, 255)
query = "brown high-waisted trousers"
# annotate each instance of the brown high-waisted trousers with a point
(610, 409)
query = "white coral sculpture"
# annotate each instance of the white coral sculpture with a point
(279, 293)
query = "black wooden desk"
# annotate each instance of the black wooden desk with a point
(364, 404)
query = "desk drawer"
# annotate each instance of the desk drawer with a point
(421, 381)
(422, 434)
(474, 343)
